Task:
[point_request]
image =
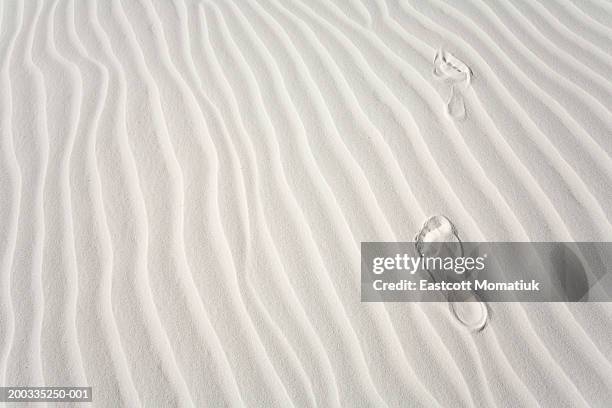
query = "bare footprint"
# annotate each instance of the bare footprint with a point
(447, 67)
(439, 237)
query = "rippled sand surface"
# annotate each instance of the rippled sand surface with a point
(184, 186)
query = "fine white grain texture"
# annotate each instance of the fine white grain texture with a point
(185, 185)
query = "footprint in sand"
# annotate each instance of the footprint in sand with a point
(448, 68)
(438, 237)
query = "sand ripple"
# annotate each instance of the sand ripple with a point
(185, 186)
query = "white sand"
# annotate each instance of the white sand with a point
(185, 186)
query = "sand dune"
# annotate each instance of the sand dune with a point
(185, 186)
